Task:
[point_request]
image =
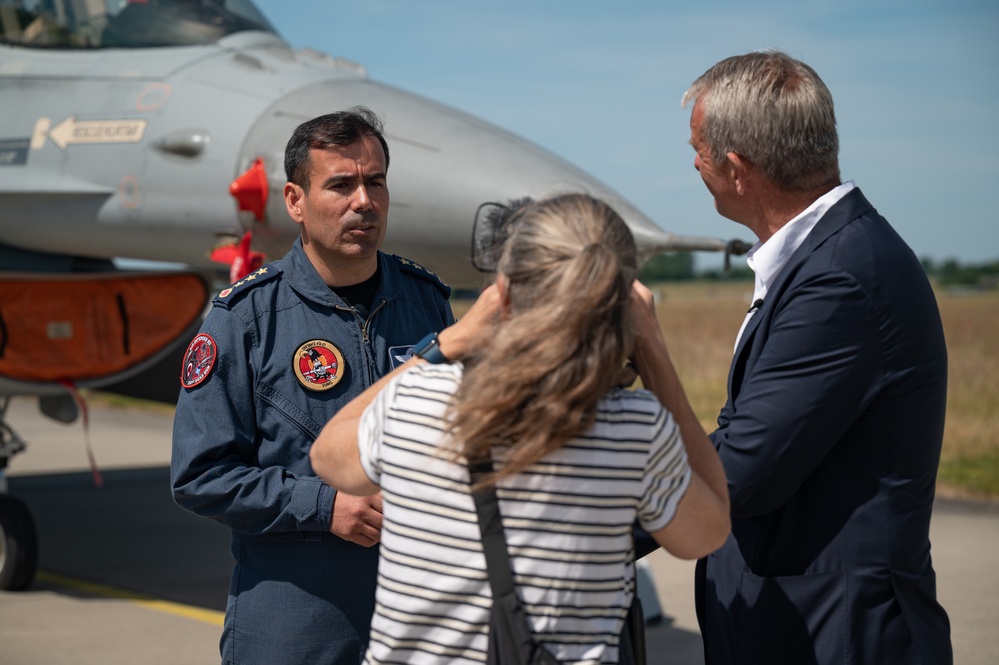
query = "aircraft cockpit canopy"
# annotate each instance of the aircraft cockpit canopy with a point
(87, 24)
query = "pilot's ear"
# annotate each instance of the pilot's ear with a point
(293, 198)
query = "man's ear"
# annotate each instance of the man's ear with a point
(739, 171)
(294, 196)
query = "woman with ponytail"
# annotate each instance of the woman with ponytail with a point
(577, 458)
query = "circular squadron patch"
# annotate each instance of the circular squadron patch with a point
(198, 360)
(319, 365)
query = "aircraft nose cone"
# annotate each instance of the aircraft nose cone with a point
(443, 165)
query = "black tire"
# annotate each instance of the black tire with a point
(18, 545)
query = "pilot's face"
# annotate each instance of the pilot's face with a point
(344, 213)
(716, 177)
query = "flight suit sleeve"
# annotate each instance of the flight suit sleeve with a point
(214, 469)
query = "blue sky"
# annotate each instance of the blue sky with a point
(916, 86)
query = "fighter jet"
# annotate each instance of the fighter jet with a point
(154, 130)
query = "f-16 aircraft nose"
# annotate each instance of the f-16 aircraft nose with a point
(443, 165)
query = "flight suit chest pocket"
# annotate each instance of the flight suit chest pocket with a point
(280, 412)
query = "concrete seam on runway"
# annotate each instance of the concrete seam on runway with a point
(212, 617)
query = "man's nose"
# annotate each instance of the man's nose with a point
(361, 200)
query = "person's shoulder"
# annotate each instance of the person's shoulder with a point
(639, 402)
(263, 278)
(414, 270)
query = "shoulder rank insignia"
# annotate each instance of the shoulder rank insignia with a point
(256, 277)
(416, 269)
(318, 365)
(199, 359)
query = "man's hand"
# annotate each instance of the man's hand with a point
(357, 519)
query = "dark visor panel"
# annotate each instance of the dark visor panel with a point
(68, 24)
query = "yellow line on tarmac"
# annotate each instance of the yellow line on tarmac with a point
(177, 609)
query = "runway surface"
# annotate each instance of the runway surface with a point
(127, 577)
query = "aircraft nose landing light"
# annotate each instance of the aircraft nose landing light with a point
(250, 189)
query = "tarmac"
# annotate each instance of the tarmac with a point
(127, 577)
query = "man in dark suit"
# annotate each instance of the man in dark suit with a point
(832, 430)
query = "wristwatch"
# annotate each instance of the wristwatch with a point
(429, 349)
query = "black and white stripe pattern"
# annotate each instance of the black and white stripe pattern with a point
(567, 519)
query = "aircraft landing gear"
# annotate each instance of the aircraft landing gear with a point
(18, 545)
(18, 539)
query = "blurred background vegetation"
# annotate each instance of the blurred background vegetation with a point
(679, 267)
(701, 313)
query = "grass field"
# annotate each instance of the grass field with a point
(970, 461)
(700, 321)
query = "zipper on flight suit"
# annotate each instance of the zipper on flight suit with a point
(364, 328)
(364, 322)
(365, 339)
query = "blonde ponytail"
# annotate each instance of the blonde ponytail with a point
(568, 266)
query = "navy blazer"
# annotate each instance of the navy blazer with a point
(830, 439)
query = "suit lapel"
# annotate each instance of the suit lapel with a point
(738, 366)
(850, 207)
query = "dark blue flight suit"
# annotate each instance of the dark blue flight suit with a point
(245, 421)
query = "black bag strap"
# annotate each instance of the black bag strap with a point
(632, 644)
(491, 528)
(514, 641)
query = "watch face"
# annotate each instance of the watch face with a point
(424, 344)
(428, 349)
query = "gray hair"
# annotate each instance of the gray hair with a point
(773, 110)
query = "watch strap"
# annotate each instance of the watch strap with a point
(429, 349)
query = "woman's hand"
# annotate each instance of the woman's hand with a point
(460, 339)
(645, 325)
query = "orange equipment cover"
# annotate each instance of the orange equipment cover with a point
(82, 327)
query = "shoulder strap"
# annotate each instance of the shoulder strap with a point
(234, 291)
(414, 268)
(511, 639)
(491, 528)
(632, 641)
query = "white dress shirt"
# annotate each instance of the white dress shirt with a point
(767, 259)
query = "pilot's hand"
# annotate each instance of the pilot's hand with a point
(357, 519)
(458, 340)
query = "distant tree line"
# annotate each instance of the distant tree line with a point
(950, 273)
(679, 267)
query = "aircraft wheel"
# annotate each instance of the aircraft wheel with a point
(18, 545)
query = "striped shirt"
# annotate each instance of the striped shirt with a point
(567, 521)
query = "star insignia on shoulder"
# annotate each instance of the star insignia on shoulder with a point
(233, 287)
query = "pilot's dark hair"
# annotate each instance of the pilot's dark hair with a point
(342, 128)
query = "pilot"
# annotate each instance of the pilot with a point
(302, 590)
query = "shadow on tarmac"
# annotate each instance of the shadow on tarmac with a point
(130, 536)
